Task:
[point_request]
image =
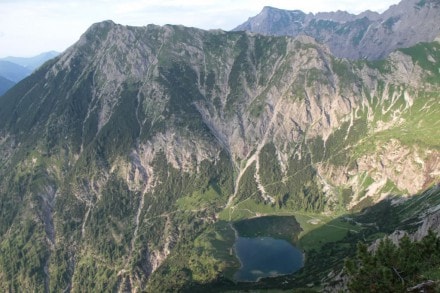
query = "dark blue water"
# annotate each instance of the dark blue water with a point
(266, 257)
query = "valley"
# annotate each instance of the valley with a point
(135, 160)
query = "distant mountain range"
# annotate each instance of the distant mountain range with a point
(14, 69)
(369, 35)
(34, 62)
(5, 84)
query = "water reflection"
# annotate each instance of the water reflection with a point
(266, 257)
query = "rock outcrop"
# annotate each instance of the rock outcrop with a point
(368, 35)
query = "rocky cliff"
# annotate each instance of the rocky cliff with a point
(121, 156)
(368, 35)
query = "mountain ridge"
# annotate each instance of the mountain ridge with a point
(126, 157)
(15, 69)
(367, 35)
(12, 71)
(33, 62)
(5, 84)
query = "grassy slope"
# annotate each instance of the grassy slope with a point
(419, 126)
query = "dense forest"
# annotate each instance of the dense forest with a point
(409, 266)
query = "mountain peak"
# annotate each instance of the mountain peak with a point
(96, 31)
(367, 35)
(102, 24)
(275, 9)
(268, 8)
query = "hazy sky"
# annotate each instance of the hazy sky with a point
(29, 27)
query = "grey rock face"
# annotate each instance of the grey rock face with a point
(368, 35)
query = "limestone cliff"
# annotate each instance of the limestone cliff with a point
(368, 35)
(118, 155)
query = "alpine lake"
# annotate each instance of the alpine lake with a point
(265, 248)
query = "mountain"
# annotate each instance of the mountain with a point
(128, 160)
(12, 71)
(368, 35)
(5, 84)
(34, 62)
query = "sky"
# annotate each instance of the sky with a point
(30, 27)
